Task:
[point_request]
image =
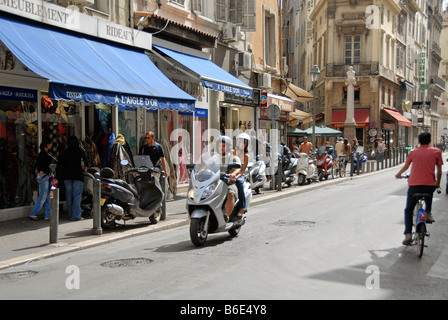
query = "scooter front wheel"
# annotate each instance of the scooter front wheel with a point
(198, 234)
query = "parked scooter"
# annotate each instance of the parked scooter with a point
(324, 158)
(87, 192)
(289, 167)
(139, 196)
(359, 154)
(256, 174)
(306, 169)
(206, 199)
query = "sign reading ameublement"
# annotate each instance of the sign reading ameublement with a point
(70, 18)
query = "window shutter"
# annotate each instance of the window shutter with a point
(249, 16)
(221, 10)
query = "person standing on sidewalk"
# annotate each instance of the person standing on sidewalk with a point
(425, 162)
(71, 170)
(43, 178)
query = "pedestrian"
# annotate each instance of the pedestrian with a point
(70, 168)
(425, 161)
(43, 178)
(154, 150)
(338, 147)
(305, 146)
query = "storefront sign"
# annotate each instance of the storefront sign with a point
(227, 88)
(285, 104)
(201, 113)
(15, 94)
(71, 19)
(67, 93)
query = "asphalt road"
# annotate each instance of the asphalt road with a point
(340, 242)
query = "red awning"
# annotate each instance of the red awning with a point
(362, 118)
(402, 121)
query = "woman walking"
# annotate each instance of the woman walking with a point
(43, 178)
(71, 171)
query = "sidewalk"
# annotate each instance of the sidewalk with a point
(24, 241)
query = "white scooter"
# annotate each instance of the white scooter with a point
(256, 175)
(206, 199)
(306, 170)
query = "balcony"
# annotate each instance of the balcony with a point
(436, 50)
(436, 81)
(362, 69)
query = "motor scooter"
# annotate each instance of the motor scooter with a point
(139, 196)
(206, 199)
(324, 158)
(256, 174)
(289, 170)
(306, 169)
(361, 156)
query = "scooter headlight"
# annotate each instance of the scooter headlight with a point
(209, 190)
(191, 194)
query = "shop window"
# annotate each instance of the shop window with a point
(127, 126)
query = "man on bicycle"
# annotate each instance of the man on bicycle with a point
(425, 161)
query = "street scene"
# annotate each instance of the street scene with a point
(223, 150)
(309, 245)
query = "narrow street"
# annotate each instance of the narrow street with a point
(323, 244)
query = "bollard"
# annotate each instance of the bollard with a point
(96, 206)
(280, 174)
(163, 185)
(54, 215)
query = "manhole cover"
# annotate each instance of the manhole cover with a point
(17, 275)
(123, 263)
(283, 223)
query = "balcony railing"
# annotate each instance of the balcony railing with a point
(438, 81)
(362, 69)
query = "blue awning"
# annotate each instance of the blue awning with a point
(81, 69)
(212, 76)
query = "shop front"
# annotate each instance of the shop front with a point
(395, 128)
(362, 119)
(286, 105)
(57, 83)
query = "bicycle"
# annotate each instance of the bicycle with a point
(419, 230)
(340, 166)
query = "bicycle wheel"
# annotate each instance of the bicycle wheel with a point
(342, 170)
(420, 237)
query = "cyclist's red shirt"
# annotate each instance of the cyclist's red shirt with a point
(424, 161)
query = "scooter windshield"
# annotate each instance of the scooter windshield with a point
(208, 169)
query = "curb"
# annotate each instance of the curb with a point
(61, 249)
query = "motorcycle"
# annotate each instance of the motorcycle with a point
(256, 174)
(306, 169)
(139, 196)
(324, 160)
(87, 192)
(359, 154)
(206, 200)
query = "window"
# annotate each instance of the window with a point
(239, 12)
(102, 6)
(270, 49)
(352, 50)
(178, 2)
(197, 6)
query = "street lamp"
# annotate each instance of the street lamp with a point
(315, 73)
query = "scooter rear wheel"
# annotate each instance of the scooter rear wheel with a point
(197, 233)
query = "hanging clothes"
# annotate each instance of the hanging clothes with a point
(118, 153)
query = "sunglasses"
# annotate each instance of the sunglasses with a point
(147, 138)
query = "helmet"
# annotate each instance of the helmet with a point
(243, 137)
(227, 141)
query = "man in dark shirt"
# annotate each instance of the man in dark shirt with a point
(153, 150)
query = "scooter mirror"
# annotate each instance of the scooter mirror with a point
(124, 162)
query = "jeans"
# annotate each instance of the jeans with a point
(43, 201)
(73, 194)
(241, 196)
(412, 202)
